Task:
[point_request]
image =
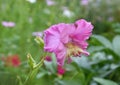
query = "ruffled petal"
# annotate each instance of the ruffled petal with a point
(60, 54)
(83, 29)
(52, 39)
(81, 44)
(68, 29)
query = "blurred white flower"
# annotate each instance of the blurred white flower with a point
(110, 57)
(67, 12)
(31, 1)
(30, 19)
(38, 34)
(46, 11)
(50, 2)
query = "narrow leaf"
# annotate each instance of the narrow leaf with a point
(104, 81)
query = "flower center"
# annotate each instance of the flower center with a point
(73, 50)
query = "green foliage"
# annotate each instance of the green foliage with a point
(103, 41)
(116, 45)
(101, 67)
(104, 81)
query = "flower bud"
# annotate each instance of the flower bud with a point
(31, 61)
(40, 41)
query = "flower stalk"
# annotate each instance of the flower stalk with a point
(35, 68)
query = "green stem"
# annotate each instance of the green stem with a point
(33, 72)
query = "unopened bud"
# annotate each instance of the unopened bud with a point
(40, 41)
(31, 61)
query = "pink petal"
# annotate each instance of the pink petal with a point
(4, 23)
(82, 44)
(48, 58)
(67, 32)
(8, 24)
(50, 2)
(60, 70)
(51, 42)
(61, 54)
(86, 53)
(51, 39)
(84, 2)
(11, 24)
(83, 28)
(68, 29)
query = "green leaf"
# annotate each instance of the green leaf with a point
(82, 62)
(49, 66)
(104, 81)
(68, 82)
(54, 61)
(77, 78)
(95, 48)
(103, 41)
(116, 45)
(41, 74)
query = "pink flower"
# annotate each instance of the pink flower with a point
(50, 2)
(66, 40)
(60, 70)
(8, 24)
(84, 2)
(48, 58)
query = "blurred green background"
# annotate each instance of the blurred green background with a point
(102, 67)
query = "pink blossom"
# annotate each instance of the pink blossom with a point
(50, 2)
(8, 24)
(66, 40)
(84, 2)
(60, 70)
(48, 58)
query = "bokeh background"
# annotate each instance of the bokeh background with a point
(21, 19)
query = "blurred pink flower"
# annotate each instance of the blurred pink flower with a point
(84, 2)
(60, 70)
(50, 2)
(8, 24)
(66, 40)
(38, 34)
